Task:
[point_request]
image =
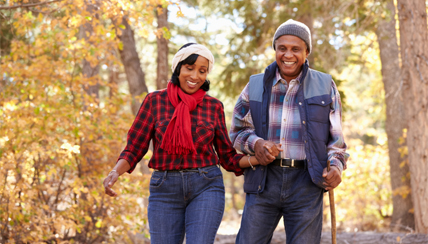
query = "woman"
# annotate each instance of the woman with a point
(190, 139)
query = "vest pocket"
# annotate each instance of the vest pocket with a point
(319, 108)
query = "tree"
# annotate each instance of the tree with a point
(414, 58)
(162, 47)
(90, 70)
(395, 121)
(131, 63)
(58, 139)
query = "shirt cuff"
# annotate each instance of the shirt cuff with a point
(130, 159)
(336, 162)
(252, 142)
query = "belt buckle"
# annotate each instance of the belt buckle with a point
(286, 166)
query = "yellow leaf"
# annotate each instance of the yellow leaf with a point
(180, 14)
(87, 218)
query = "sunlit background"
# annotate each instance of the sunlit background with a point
(70, 84)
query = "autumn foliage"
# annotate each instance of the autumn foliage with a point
(57, 140)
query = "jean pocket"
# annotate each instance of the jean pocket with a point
(157, 179)
(213, 174)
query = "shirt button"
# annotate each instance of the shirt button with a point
(304, 122)
(283, 138)
(300, 103)
(322, 102)
(285, 120)
(286, 100)
(305, 141)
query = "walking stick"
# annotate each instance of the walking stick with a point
(332, 211)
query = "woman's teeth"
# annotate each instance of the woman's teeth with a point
(191, 83)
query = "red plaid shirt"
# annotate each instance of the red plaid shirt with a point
(209, 134)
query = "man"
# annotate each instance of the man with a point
(289, 117)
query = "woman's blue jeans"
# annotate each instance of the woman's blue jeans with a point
(187, 204)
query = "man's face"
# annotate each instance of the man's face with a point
(291, 53)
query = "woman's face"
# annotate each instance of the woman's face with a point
(192, 77)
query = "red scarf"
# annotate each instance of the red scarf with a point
(178, 134)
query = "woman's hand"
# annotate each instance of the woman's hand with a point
(109, 182)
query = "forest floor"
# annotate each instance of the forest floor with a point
(346, 238)
(227, 234)
(228, 230)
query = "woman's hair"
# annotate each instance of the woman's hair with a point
(189, 60)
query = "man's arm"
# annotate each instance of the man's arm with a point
(243, 136)
(242, 133)
(336, 147)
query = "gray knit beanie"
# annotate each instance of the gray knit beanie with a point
(294, 28)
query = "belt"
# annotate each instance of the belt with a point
(290, 163)
(196, 170)
(202, 170)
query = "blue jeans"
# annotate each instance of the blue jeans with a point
(185, 203)
(289, 193)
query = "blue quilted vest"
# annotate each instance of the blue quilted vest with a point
(314, 99)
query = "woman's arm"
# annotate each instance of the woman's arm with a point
(121, 167)
(248, 161)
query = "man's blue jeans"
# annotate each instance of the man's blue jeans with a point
(190, 203)
(290, 193)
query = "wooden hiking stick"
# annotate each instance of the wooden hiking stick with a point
(332, 211)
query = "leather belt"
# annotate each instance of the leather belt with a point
(196, 170)
(289, 163)
(202, 170)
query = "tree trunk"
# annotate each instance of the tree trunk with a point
(414, 55)
(308, 20)
(131, 62)
(162, 59)
(395, 120)
(90, 72)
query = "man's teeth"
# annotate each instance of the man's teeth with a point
(288, 62)
(191, 83)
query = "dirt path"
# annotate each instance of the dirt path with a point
(347, 238)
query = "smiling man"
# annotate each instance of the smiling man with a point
(289, 117)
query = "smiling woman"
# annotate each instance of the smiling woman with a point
(190, 140)
(193, 76)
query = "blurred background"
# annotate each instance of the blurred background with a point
(73, 74)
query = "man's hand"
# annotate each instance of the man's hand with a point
(266, 151)
(109, 182)
(332, 178)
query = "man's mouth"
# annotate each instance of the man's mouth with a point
(288, 63)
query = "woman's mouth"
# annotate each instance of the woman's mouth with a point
(191, 84)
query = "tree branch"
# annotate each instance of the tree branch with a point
(29, 5)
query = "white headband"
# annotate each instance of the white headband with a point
(193, 49)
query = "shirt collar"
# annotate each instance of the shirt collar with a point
(279, 78)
